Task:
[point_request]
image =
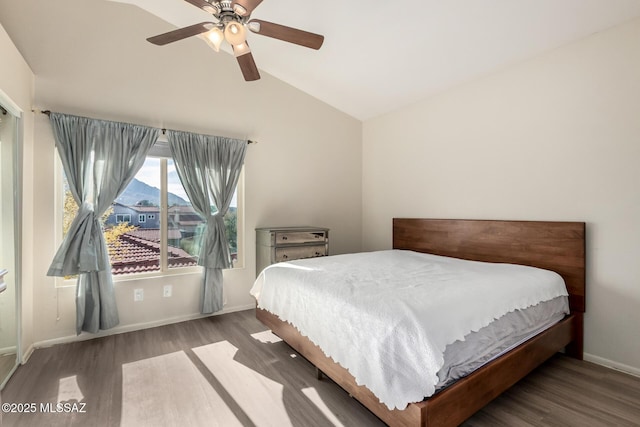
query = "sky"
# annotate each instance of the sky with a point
(149, 173)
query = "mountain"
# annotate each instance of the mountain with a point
(138, 191)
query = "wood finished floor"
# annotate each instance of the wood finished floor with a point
(259, 382)
(7, 362)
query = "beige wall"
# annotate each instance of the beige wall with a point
(16, 84)
(305, 169)
(554, 138)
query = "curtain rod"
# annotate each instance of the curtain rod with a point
(164, 131)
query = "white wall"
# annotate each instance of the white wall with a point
(305, 169)
(16, 83)
(554, 138)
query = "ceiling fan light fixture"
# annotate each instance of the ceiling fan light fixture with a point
(254, 26)
(239, 9)
(214, 38)
(231, 22)
(240, 49)
(235, 33)
(209, 8)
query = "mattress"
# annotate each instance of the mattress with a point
(499, 337)
(389, 317)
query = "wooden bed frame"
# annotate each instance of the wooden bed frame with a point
(557, 246)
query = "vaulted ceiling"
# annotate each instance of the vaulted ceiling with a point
(378, 56)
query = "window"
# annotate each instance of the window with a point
(167, 234)
(121, 218)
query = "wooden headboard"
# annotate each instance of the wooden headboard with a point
(556, 246)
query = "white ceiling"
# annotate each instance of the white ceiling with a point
(378, 56)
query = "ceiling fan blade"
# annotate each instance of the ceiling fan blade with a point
(181, 33)
(245, 6)
(206, 6)
(247, 64)
(287, 34)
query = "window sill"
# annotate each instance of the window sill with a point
(122, 278)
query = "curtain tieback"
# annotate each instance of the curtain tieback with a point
(214, 252)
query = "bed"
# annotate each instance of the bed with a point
(555, 246)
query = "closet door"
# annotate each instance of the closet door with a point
(9, 244)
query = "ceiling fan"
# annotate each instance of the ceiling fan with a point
(232, 17)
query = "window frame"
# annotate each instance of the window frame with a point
(162, 152)
(122, 218)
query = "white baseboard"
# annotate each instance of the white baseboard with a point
(613, 365)
(27, 354)
(130, 328)
(8, 350)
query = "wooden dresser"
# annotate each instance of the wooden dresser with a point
(276, 244)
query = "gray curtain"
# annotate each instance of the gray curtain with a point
(209, 168)
(100, 158)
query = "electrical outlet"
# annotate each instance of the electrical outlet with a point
(138, 294)
(167, 290)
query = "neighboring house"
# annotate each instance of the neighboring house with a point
(139, 216)
(185, 219)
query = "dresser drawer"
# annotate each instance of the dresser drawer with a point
(296, 237)
(298, 252)
(277, 244)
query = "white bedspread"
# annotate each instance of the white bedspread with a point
(387, 316)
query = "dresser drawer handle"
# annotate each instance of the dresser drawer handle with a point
(285, 256)
(284, 237)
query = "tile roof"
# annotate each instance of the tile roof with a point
(180, 209)
(153, 234)
(135, 254)
(140, 208)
